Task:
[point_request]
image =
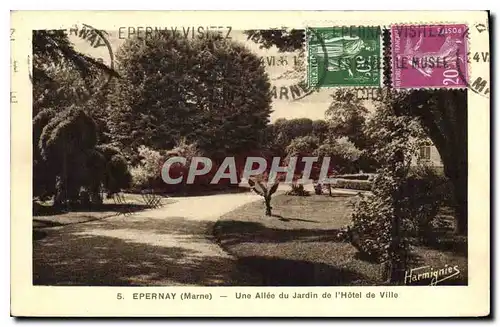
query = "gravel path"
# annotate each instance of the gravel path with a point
(171, 245)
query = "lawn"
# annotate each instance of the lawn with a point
(44, 215)
(299, 245)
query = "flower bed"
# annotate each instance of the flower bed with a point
(362, 185)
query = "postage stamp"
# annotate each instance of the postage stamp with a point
(429, 56)
(343, 56)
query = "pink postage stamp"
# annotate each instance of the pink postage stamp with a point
(429, 56)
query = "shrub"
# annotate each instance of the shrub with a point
(420, 196)
(424, 192)
(140, 177)
(116, 175)
(298, 190)
(370, 231)
(318, 189)
(148, 171)
(362, 185)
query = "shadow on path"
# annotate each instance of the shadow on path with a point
(126, 251)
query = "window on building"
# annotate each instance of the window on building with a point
(425, 152)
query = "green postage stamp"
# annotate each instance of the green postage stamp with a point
(344, 56)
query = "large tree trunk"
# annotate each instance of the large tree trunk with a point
(443, 115)
(458, 178)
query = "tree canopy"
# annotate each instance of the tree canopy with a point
(211, 91)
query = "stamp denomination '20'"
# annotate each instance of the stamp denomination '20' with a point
(429, 56)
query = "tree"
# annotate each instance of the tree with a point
(212, 91)
(346, 116)
(443, 116)
(43, 175)
(302, 146)
(67, 145)
(320, 129)
(54, 54)
(284, 39)
(116, 174)
(265, 191)
(283, 131)
(67, 109)
(343, 154)
(68, 161)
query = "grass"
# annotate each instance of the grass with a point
(299, 246)
(47, 216)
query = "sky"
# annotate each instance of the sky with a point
(277, 63)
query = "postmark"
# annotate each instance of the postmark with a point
(429, 56)
(478, 61)
(343, 56)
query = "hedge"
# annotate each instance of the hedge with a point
(356, 176)
(363, 185)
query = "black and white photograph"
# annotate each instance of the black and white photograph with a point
(110, 107)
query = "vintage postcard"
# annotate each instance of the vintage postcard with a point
(211, 164)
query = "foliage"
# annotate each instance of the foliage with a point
(69, 164)
(379, 218)
(148, 171)
(390, 134)
(286, 40)
(320, 129)
(117, 175)
(212, 91)
(185, 149)
(189, 150)
(302, 146)
(54, 46)
(283, 131)
(342, 152)
(67, 145)
(61, 75)
(68, 115)
(346, 117)
(371, 225)
(443, 116)
(424, 192)
(43, 175)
